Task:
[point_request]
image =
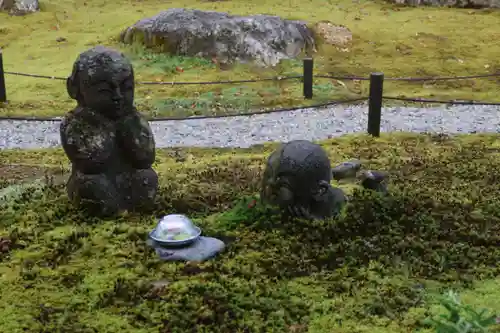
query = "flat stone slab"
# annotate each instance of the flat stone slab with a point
(346, 170)
(203, 249)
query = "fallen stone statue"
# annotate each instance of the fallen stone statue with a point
(297, 179)
(110, 145)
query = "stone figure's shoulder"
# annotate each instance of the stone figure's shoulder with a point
(82, 116)
(139, 115)
(77, 114)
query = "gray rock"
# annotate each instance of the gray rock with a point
(19, 7)
(264, 39)
(204, 248)
(451, 3)
(374, 180)
(346, 170)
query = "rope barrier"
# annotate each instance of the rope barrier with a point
(36, 76)
(283, 78)
(452, 102)
(172, 83)
(410, 79)
(245, 114)
(444, 78)
(253, 113)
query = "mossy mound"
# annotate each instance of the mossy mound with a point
(376, 267)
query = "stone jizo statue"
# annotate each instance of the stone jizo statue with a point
(110, 145)
(297, 179)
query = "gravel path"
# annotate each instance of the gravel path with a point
(309, 124)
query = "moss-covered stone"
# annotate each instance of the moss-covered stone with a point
(375, 268)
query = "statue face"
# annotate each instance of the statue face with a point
(283, 187)
(301, 176)
(103, 80)
(110, 93)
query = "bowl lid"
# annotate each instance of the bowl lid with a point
(175, 227)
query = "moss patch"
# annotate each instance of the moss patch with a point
(377, 268)
(395, 40)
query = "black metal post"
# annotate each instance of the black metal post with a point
(308, 78)
(375, 103)
(3, 93)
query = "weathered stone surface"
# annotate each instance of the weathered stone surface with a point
(374, 180)
(264, 39)
(203, 249)
(451, 3)
(346, 170)
(19, 7)
(297, 179)
(110, 146)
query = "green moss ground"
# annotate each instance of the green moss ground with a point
(378, 268)
(395, 40)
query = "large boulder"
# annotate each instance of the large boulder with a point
(19, 7)
(451, 3)
(264, 39)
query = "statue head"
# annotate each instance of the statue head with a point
(103, 80)
(297, 174)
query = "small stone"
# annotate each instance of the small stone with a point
(61, 39)
(374, 175)
(374, 180)
(203, 249)
(5, 245)
(346, 170)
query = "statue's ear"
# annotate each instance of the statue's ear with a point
(323, 189)
(72, 87)
(72, 84)
(285, 194)
(323, 184)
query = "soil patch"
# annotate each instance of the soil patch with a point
(19, 173)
